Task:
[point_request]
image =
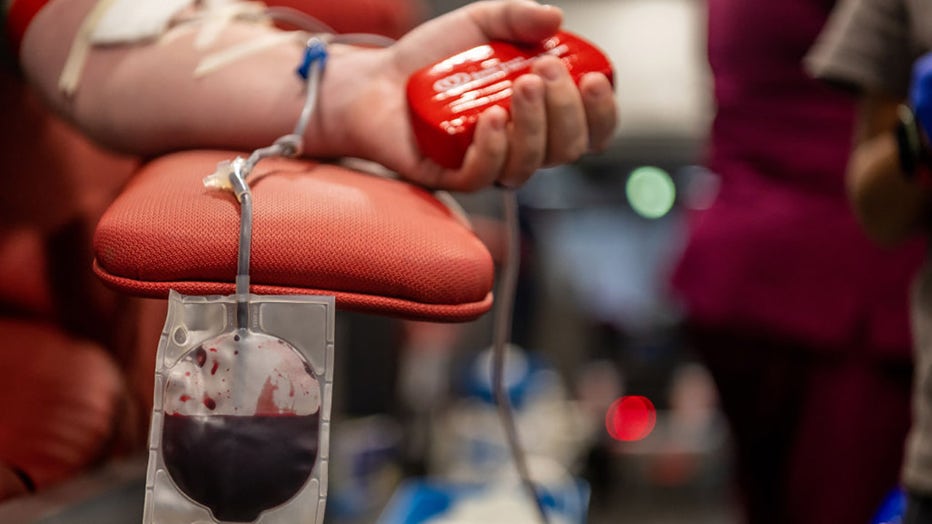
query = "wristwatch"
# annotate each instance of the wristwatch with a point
(910, 142)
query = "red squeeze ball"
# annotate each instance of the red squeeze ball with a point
(445, 99)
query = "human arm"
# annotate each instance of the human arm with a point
(143, 98)
(868, 48)
(890, 206)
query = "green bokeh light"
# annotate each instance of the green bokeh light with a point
(650, 191)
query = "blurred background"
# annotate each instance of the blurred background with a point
(606, 392)
(594, 310)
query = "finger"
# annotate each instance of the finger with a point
(485, 158)
(515, 20)
(601, 111)
(527, 133)
(567, 133)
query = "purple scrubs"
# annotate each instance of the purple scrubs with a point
(800, 318)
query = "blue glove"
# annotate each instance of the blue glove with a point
(920, 93)
(892, 509)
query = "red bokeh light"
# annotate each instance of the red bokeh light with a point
(631, 418)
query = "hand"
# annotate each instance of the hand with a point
(363, 111)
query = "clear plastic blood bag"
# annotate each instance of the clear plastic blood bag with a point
(241, 420)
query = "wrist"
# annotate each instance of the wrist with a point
(345, 96)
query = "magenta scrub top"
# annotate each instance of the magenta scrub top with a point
(780, 252)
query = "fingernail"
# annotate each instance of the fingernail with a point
(598, 89)
(551, 7)
(532, 90)
(550, 69)
(497, 118)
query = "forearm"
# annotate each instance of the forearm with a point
(144, 98)
(889, 206)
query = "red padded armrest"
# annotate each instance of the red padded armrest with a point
(378, 245)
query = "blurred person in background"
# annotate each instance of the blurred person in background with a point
(873, 47)
(801, 319)
(61, 410)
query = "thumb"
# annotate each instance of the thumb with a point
(520, 21)
(524, 21)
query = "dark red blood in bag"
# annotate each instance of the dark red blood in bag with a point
(240, 466)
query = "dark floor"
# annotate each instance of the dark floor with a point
(114, 495)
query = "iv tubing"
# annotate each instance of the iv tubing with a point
(501, 336)
(288, 145)
(291, 146)
(244, 196)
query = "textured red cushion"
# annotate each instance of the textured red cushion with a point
(61, 402)
(378, 245)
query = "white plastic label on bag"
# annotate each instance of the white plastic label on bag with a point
(241, 415)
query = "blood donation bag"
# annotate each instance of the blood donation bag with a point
(241, 418)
